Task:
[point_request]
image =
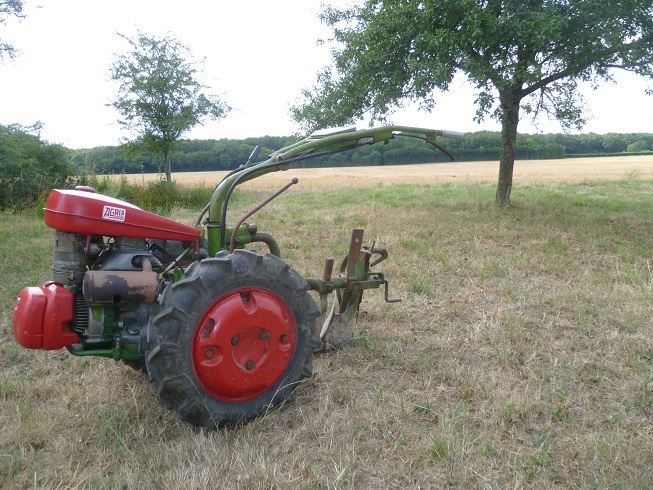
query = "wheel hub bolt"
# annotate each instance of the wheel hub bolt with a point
(264, 335)
(250, 365)
(235, 340)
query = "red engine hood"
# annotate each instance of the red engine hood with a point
(88, 213)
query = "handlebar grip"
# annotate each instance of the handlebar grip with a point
(456, 135)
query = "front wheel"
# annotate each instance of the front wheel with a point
(233, 338)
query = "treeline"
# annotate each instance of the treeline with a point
(227, 154)
(30, 167)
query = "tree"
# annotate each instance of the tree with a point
(9, 8)
(159, 97)
(521, 55)
(637, 146)
(613, 143)
(29, 166)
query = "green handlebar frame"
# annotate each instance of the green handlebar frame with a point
(319, 143)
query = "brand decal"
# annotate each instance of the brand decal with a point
(113, 214)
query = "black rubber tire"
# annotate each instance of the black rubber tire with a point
(171, 334)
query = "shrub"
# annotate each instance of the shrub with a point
(29, 166)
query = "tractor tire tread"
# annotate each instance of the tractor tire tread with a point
(170, 335)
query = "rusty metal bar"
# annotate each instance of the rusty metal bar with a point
(232, 243)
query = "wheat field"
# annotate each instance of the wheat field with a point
(562, 171)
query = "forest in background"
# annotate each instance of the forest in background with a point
(31, 166)
(227, 154)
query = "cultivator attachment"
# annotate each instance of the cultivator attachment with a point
(345, 292)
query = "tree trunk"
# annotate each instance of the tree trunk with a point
(166, 165)
(509, 121)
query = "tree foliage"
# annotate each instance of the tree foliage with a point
(29, 166)
(9, 8)
(521, 55)
(159, 96)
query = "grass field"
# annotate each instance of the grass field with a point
(520, 356)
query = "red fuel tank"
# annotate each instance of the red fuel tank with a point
(88, 213)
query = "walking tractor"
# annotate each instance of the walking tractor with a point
(225, 333)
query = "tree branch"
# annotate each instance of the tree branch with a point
(545, 81)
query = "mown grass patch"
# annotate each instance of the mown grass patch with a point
(520, 355)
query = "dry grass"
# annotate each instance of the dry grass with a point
(521, 355)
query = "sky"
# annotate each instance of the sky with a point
(258, 56)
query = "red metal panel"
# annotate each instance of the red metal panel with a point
(88, 213)
(42, 317)
(29, 311)
(243, 344)
(58, 315)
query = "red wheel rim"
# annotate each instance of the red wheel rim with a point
(243, 344)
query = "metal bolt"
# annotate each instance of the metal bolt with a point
(264, 335)
(250, 365)
(235, 340)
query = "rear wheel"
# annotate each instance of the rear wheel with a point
(233, 338)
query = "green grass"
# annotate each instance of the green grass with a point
(521, 355)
